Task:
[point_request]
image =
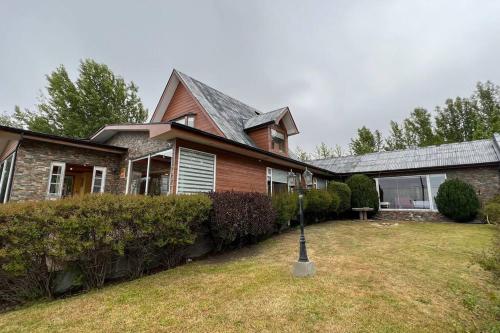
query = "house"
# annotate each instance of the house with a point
(407, 180)
(200, 140)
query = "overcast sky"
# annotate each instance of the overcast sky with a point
(338, 65)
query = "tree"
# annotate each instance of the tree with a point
(366, 142)
(457, 121)
(78, 109)
(418, 129)
(396, 139)
(302, 155)
(486, 99)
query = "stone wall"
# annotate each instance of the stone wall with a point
(138, 143)
(32, 168)
(394, 215)
(486, 180)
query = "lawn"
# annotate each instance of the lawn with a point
(406, 277)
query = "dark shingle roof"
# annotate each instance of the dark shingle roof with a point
(264, 118)
(228, 113)
(454, 154)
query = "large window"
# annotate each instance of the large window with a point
(409, 192)
(196, 171)
(151, 174)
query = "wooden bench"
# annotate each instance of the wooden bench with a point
(363, 212)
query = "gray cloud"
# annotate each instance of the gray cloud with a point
(337, 64)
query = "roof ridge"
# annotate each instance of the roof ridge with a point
(407, 149)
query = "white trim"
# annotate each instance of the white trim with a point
(269, 173)
(103, 180)
(215, 170)
(146, 187)
(129, 173)
(429, 192)
(9, 180)
(63, 173)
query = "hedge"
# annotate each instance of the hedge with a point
(88, 232)
(286, 206)
(491, 211)
(240, 218)
(343, 192)
(457, 200)
(363, 192)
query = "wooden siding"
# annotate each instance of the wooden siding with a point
(261, 137)
(183, 103)
(234, 172)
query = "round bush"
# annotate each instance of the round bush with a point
(318, 203)
(343, 192)
(363, 192)
(457, 200)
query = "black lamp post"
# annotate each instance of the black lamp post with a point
(303, 267)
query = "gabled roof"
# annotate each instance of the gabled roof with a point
(446, 155)
(273, 117)
(229, 114)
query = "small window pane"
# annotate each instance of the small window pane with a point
(190, 121)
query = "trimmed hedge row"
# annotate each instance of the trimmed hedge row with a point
(240, 218)
(88, 233)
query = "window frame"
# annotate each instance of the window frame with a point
(429, 193)
(177, 171)
(103, 178)
(185, 119)
(61, 182)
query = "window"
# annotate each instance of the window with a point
(56, 177)
(277, 181)
(185, 120)
(196, 171)
(278, 140)
(98, 179)
(150, 175)
(409, 192)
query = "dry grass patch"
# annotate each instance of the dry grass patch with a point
(409, 277)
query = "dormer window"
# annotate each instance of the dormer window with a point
(278, 140)
(187, 120)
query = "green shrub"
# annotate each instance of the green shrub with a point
(240, 218)
(363, 192)
(491, 211)
(286, 206)
(40, 238)
(457, 200)
(319, 203)
(343, 192)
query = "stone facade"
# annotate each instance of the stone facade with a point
(138, 143)
(32, 168)
(417, 215)
(486, 180)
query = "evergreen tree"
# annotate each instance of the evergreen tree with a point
(366, 141)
